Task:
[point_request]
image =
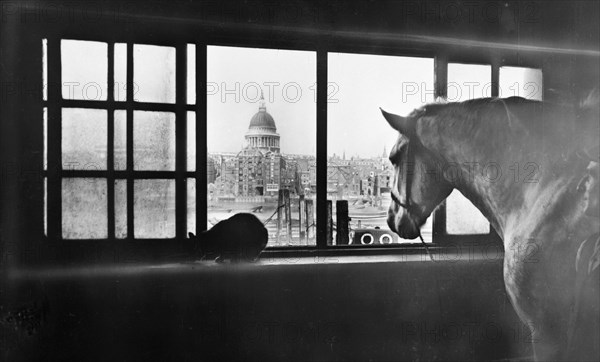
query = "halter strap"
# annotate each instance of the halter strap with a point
(408, 205)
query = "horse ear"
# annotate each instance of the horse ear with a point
(403, 125)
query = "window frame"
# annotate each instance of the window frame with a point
(202, 35)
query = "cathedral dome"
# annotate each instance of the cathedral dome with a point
(262, 132)
(262, 120)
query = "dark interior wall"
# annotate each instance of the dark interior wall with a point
(410, 310)
(337, 311)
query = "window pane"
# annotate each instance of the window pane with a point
(359, 138)
(120, 81)
(154, 209)
(261, 135)
(45, 69)
(45, 126)
(191, 205)
(154, 141)
(84, 139)
(521, 82)
(120, 209)
(466, 81)
(84, 69)
(154, 74)
(191, 141)
(191, 74)
(84, 208)
(120, 140)
(464, 218)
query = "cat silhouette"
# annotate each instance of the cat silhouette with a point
(242, 237)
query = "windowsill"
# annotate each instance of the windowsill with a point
(268, 261)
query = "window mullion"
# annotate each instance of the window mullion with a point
(180, 140)
(322, 219)
(129, 143)
(201, 137)
(441, 90)
(54, 140)
(495, 91)
(110, 144)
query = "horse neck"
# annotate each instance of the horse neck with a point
(505, 173)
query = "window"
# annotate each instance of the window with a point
(261, 126)
(466, 81)
(119, 121)
(520, 82)
(359, 138)
(134, 129)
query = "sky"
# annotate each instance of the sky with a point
(359, 84)
(287, 79)
(365, 83)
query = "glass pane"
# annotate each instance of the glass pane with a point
(359, 138)
(154, 141)
(464, 218)
(84, 69)
(84, 208)
(261, 135)
(120, 140)
(120, 209)
(84, 139)
(469, 81)
(466, 81)
(120, 75)
(45, 69)
(154, 209)
(45, 122)
(191, 74)
(191, 141)
(191, 205)
(154, 74)
(521, 82)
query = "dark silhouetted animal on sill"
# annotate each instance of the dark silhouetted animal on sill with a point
(242, 237)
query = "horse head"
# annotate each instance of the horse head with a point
(417, 189)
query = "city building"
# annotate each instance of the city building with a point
(259, 168)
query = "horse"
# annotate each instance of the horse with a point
(526, 166)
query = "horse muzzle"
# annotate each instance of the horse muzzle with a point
(399, 221)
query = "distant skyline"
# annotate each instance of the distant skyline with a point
(359, 85)
(236, 76)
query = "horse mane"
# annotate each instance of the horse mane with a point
(493, 124)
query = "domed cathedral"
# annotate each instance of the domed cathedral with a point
(262, 132)
(259, 163)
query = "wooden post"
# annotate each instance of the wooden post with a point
(329, 227)
(288, 216)
(310, 219)
(279, 216)
(341, 237)
(301, 218)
